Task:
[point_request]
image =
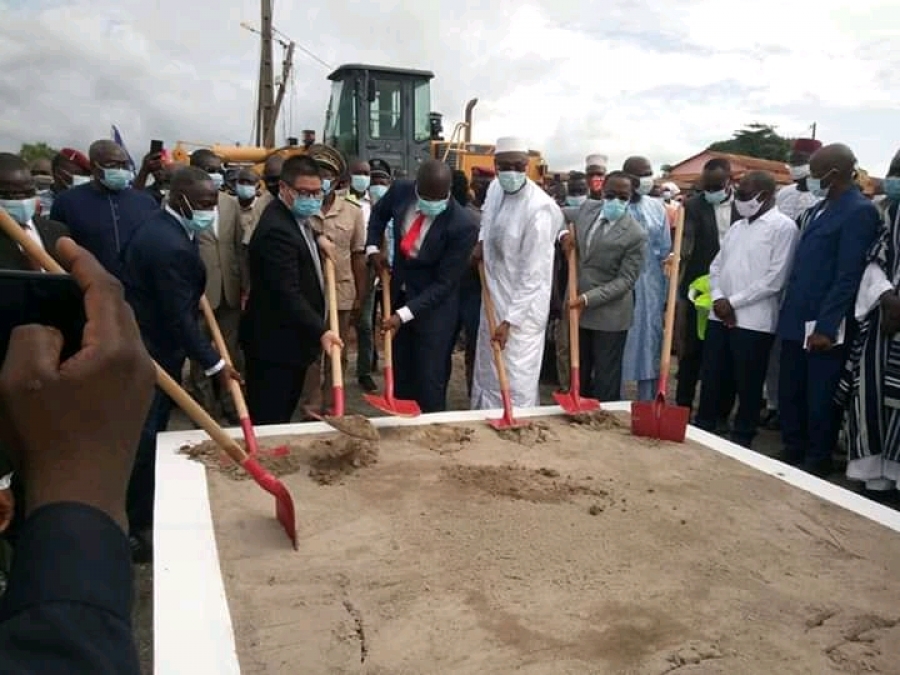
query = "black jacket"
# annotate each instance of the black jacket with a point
(285, 314)
(701, 240)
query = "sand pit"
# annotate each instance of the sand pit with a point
(578, 550)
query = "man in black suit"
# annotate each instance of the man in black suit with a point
(164, 279)
(707, 216)
(283, 328)
(433, 238)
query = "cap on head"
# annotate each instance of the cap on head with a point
(597, 160)
(379, 168)
(670, 187)
(806, 145)
(328, 158)
(511, 144)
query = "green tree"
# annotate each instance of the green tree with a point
(756, 140)
(32, 151)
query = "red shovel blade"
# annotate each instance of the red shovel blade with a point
(507, 421)
(253, 444)
(656, 419)
(284, 503)
(393, 406)
(571, 401)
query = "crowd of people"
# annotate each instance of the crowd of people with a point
(787, 295)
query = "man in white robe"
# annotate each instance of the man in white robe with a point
(518, 229)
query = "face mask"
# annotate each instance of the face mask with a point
(749, 208)
(576, 200)
(43, 182)
(799, 172)
(360, 183)
(202, 220)
(304, 207)
(667, 195)
(613, 209)
(431, 209)
(245, 191)
(117, 179)
(326, 185)
(891, 187)
(716, 197)
(20, 210)
(376, 192)
(217, 179)
(814, 185)
(511, 181)
(645, 185)
(80, 180)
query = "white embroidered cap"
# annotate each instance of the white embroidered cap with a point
(511, 144)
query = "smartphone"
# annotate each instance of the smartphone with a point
(37, 297)
(156, 147)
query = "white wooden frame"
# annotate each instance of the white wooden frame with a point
(191, 623)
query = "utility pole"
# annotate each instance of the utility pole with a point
(813, 129)
(265, 115)
(286, 66)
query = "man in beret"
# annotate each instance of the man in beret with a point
(68, 168)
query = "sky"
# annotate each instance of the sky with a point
(622, 77)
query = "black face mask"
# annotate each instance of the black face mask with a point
(272, 186)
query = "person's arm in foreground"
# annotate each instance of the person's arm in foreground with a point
(68, 605)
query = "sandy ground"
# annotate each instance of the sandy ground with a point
(566, 548)
(767, 442)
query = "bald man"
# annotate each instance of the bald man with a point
(828, 267)
(434, 237)
(104, 214)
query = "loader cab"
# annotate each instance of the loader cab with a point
(380, 112)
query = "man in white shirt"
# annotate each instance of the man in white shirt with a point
(747, 278)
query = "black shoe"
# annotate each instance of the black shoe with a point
(772, 421)
(821, 469)
(141, 549)
(368, 384)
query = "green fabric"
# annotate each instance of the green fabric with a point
(700, 294)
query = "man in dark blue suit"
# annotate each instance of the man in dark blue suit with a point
(828, 267)
(164, 279)
(434, 237)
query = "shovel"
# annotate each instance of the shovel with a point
(657, 419)
(352, 425)
(387, 403)
(571, 401)
(507, 421)
(234, 387)
(284, 503)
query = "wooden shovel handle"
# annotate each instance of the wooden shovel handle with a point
(174, 391)
(234, 388)
(337, 372)
(492, 327)
(572, 292)
(665, 361)
(387, 312)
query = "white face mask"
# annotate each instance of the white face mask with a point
(798, 172)
(749, 208)
(645, 185)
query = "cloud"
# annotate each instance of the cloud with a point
(625, 77)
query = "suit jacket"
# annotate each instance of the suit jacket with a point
(164, 278)
(285, 314)
(221, 255)
(828, 265)
(11, 256)
(429, 283)
(701, 240)
(608, 268)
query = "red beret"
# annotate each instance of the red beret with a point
(483, 172)
(76, 158)
(807, 145)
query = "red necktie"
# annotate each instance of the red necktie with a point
(412, 236)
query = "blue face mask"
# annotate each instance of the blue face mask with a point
(360, 183)
(576, 200)
(891, 187)
(613, 209)
(245, 191)
(376, 192)
(20, 210)
(326, 185)
(304, 207)
(201, 220)
(80, 180)
(432, 209)
(117, 179)
(217, 179)
(716, 197)
(815, 187)
(511, 181)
